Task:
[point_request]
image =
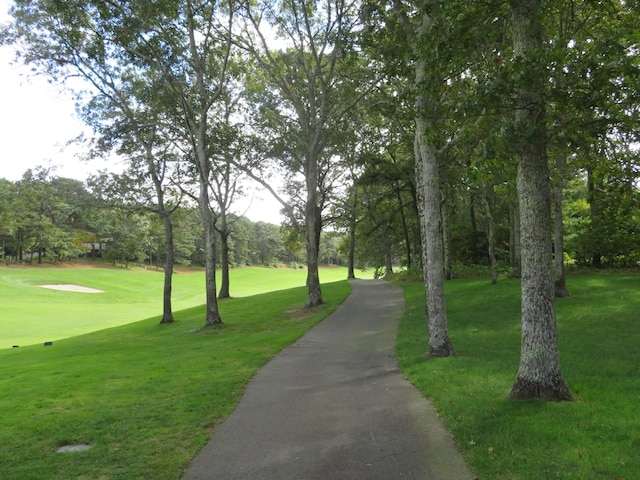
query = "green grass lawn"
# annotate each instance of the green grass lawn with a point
(30, 314)
(596, 436)
(145, 396)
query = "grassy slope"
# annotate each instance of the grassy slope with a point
(146, 396)
(30, 315)
(597, 436)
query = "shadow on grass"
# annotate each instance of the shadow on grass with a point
(596, 436)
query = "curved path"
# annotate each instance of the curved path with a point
(334, 405)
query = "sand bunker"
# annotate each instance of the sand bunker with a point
(72, 288)
(73, 448)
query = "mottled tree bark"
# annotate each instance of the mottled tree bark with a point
(439, 342)
(539, 373)
(208, 223)
(313, 224)
(427, 84)
(199, 134)
(515, 256)
(167, 312)
(446, 239)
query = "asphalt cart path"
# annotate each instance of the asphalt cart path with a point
(334, 405)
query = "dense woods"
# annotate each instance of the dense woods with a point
(433, 136)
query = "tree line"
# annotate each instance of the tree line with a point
(45, 218)
(431, 133)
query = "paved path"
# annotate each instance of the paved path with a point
(335, 406)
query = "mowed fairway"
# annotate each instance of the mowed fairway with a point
(30, 314)
(143, 396)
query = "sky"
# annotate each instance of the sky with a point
(38, 119)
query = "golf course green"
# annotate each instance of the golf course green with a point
(31, 314)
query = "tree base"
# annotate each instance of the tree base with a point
(313, 302)
(213, 320)
(167, 319)
(561, 290)
(553, 390)
(442, 351)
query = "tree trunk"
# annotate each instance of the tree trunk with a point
(446, 240)
(539, 373)
(405, 229)
(165, 216)
(352, 247)
(420, 209)
(472, 213)
(558, 244)
(491, 240)
(208, 224)
(594, 216)
(167, 313)
(515, 256)
(351, 273)
(313, 223)
(388, 261)
(428, 183)
(212, 316)
(429, 172)
(439, 342)
(224, 257)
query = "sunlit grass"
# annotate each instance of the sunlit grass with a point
(597, 436)
(144, 396)
(30, 314)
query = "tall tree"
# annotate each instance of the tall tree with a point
(307, 81)
(146, 185)
(124, 107)
(188, 46)
(225, 185)
(539, 373)
(424, 35)
(183, 47)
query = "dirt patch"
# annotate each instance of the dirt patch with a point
(302, 313)
(72, 288)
